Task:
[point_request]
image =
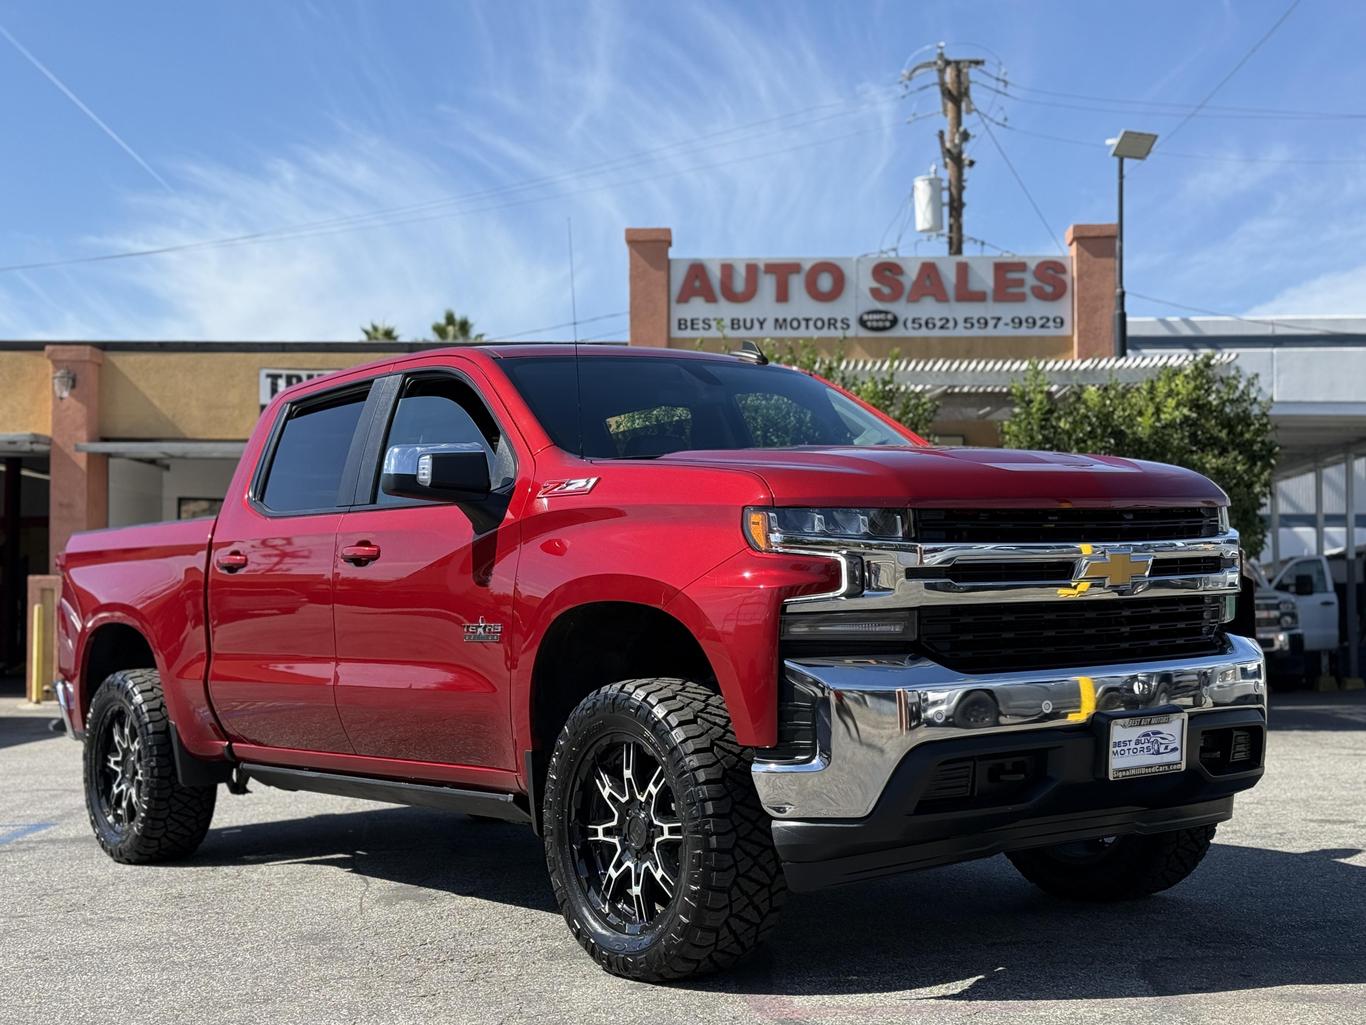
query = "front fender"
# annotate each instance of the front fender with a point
(733, 611)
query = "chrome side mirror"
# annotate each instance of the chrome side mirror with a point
(440, 473)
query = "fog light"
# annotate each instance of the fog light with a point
(852, 626)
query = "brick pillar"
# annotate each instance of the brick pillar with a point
(649, 283)
(1093, 289)
(79, 490)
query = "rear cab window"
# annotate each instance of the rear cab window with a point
(308, 463)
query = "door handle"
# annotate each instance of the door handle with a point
(231, 562)
(360, 553)
(1327, 601)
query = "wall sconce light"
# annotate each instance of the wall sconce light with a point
(63, 381)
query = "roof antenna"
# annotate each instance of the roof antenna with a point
(750, 351)
(574, 317)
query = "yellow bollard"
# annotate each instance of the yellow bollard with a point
(36, 661)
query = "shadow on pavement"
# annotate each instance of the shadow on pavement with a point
(23, 729)
(1331, 712)
(1250, 918)
(452, 853)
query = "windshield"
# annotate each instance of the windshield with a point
(638, 407)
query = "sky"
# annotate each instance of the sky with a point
(384, 161)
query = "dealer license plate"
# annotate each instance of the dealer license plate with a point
(1146, 745)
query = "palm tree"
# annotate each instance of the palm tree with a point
(451, 328)
(376, 332)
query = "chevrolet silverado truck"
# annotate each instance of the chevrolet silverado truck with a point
(712, 627)
(1297, 617)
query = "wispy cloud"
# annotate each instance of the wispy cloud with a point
(776, 187)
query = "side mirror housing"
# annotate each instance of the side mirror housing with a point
(1304, 583)
(437, 473)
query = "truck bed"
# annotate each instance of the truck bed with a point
(149, 578)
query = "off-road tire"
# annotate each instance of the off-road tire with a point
(1129, 868)
(730, 886)
(171, 819)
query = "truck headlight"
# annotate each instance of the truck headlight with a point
(770, 530)
(1290, 614)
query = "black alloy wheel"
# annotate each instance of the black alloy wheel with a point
(659, 851)
(626, 833)
(119, 758)
(139, 810)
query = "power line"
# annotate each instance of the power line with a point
(1271, 322)
(1233, 71)
(1098, 105)
(442, 215)
(1269, 112)
(379, 217)
(556, 327)
(1220, 157)
(1021, 182)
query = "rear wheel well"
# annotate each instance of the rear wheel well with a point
(593, 645)
(112, 648)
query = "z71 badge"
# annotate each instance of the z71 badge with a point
(484, 633)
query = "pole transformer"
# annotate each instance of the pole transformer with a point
(955, 95)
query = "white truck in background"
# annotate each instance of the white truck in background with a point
(1297, 616)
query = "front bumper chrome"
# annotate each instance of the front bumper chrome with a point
(872, 711)
(66, 701)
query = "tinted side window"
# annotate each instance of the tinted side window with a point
(310, 457)
(443, 410)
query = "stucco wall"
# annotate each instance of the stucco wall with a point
(25, 393)
(210, 395)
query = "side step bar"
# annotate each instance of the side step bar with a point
(471, 802)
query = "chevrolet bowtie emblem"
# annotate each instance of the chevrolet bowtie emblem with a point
(1118, 569)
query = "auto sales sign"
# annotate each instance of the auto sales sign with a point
(956, 296)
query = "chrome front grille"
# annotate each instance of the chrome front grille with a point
(1048, 601)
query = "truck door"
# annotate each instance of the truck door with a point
(270, 579)
(423, 601)
(1319, 608)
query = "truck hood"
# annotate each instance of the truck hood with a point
(931, 477)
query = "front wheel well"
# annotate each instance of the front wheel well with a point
(111, 648)
(593, 645)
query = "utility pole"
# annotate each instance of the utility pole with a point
(955, 94)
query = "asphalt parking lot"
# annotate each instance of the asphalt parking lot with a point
(306, 908)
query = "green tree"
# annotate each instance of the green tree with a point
(451, 328)
(1207, 418)
(377, 332)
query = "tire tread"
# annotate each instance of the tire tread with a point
(175, 818)
(1142, 866)
(742, 887)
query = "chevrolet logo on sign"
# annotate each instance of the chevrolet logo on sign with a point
(1113, 570)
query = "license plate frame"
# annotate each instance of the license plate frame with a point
(1151, 744)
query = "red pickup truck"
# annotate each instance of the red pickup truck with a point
(711, 627)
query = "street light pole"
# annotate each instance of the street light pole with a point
(1121, 317)
(1131, 146)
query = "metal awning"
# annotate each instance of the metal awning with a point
(25, 444)
(986, 374)
(171, 449)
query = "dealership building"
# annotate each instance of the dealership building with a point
(96, 434)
